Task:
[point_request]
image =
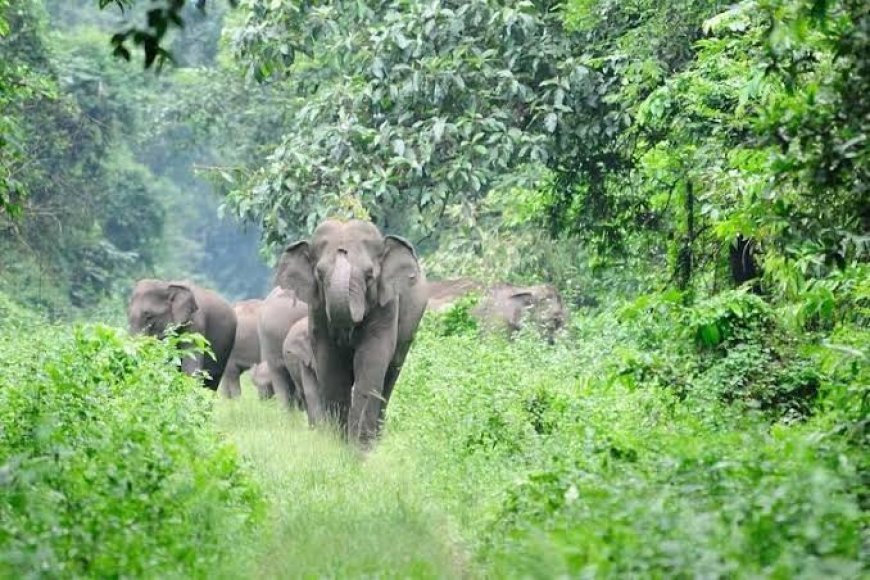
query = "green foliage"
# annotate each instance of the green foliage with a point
(160, 18)
(111, 194)
(729, 318)
(731, 347)
(407, 112)
(457, 319)
(759, 133)
(109, 462)
(78, 184)
(20, 83)
(553, 465)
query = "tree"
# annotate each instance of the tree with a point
(404, 112)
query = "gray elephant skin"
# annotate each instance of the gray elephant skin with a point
(366, 294)
(262, 380)
(280, 310)
(443, 293)
(504, 307)
(246, 350)
(157, 304)
(507, 307)
(299, 361)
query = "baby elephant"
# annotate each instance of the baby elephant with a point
(157, 304)
(299, 361)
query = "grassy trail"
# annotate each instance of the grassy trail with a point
(332, 513)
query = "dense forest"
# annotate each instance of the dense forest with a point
(691, 176)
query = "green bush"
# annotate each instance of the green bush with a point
(554, 465)
(456, 319)
(109, 461)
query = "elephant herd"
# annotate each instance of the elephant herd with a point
(332, 336)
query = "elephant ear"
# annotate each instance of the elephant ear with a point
(296, 273)
(523, 296)
(523, 299)
(399, 268)
(182, 303)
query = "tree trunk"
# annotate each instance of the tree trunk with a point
(685, 259)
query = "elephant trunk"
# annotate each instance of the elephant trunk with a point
(345, 298)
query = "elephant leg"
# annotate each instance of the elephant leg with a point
(282, 384)
(390, 379)
(190, 363)
(232, 387)
(335, 380)
(389, 382)
(265, 390)
(370, 371)
(215, 374)
(313, 404)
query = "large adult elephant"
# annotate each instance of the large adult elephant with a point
(299, 361)
(279, 311)
(366, 294)
(157, 304)
(246, 348)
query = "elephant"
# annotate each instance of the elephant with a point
(259, 375)
(157, 304)
(443, 293)
(279, 311)
(504, 306)
(246, 348)
(299, 361)
(366, 294)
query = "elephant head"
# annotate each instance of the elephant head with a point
(155, 305)
(545, 305)
(346, 270)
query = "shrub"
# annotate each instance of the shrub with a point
(554, 465)
(109, 462)
(457, 318)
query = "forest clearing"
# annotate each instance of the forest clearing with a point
(434, 289)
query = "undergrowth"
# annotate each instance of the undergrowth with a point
(626, 450)
(658, 439)
(109, 460)
(613, 455)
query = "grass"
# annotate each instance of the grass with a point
(335, 513)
